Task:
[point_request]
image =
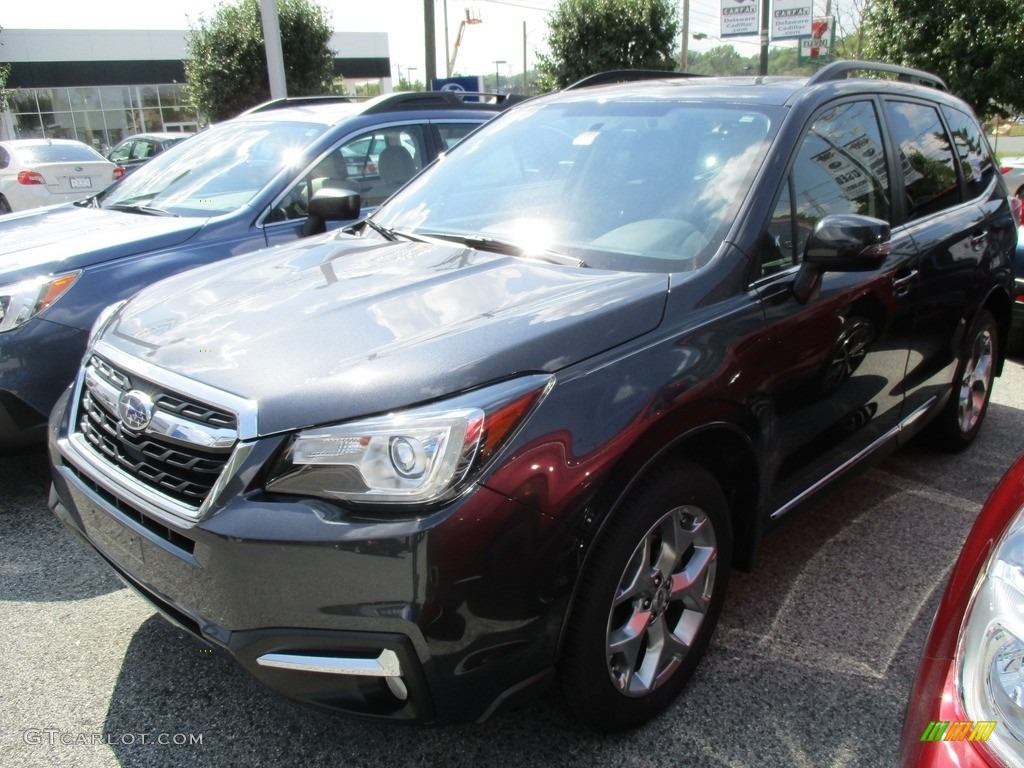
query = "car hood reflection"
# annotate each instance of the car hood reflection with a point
(72, 237)
(340, 328)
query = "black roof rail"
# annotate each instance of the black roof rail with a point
(297, 101)
(626, 76)
(393, 102)
(840, 70)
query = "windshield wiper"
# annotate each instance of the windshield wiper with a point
(143, 209)
(390, 234)
(496, 245)
(384, 232)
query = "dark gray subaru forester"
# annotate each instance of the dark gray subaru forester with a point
(518, 426)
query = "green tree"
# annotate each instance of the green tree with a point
(972, 44)
(724, 60)
(226, 68)
(5, 72)
(590, 36)
(721, 61)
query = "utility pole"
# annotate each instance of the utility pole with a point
(272, 42)
(765, 21)
(684, 48)
(430, 46)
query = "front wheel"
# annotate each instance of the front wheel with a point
(958, 424)
(649, 599)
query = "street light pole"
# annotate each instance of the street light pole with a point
(497, 76)
(447, 54)
(524, 58)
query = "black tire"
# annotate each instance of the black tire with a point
(5, 207)
(960, 421)
(636, 634)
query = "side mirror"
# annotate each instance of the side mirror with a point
(330, 204)
(841, 243)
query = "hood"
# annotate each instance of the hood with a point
(64, 237)
(335, 328)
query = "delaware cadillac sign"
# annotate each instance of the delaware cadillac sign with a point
(739, 17)
(791, 19)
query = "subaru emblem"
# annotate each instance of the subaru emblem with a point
(135, 410)
(79, 169)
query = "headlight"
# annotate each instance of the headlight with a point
(991, 654)
(417, 456)
(22, 301)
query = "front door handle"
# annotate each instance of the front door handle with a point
(902, 281)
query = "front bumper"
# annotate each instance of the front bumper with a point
(439, 618)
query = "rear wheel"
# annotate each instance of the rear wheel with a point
(959, 423)
(649, 600)
(5, 207)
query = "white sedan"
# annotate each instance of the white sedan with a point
(36, 172)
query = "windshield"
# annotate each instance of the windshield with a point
(631, 185)
(216, 171)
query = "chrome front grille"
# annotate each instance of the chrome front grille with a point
(180, 452)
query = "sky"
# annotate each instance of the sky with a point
(499, 36)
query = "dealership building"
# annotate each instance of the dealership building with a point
(99, 86)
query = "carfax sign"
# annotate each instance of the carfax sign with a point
(791, 19)
(739, 17)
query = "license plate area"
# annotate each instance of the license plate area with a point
(81, 182)
(117, 540)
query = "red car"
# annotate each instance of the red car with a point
(967, 706)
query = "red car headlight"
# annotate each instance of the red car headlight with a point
(967, 706)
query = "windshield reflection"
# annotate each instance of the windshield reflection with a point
(642, 186)
(214, 172)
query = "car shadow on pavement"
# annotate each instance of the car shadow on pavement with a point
(172, 683)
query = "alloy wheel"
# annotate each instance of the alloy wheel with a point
(976, 381)
(661, 601)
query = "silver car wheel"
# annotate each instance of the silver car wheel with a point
(661, 601)
(976, 381)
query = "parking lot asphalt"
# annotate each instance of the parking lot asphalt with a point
(811, 665)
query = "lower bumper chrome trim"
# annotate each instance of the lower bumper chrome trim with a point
(386, 665)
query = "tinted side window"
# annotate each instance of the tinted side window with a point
(926, 158)
(840, 168)
(975, 158)
(453, 133)
(5, 158)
